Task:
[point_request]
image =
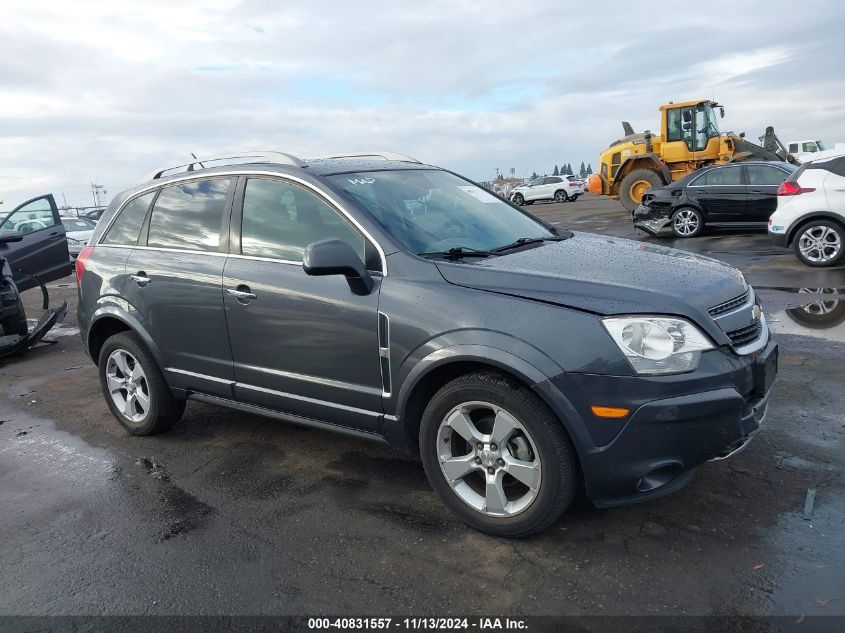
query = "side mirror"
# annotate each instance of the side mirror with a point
(7, 236)
(336, 257)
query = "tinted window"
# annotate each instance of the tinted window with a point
(125, 228)
(280, 219)
(808, 147)
(35, 216)
(720, 176)
(551, 180)
(189, 215)
(793, 147)
(765, 175)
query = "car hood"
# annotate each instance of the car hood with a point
(80, 235)
(607, 275)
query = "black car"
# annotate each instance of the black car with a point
(402, 303)
(33, 252)
(739, 195)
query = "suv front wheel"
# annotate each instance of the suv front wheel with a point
(497, 455)
(134, 386)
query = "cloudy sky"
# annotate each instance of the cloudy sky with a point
(108, 91)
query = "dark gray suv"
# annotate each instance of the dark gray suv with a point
(396, 301)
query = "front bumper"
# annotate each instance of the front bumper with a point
(649, 219)
(676, 422)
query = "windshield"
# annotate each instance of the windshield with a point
(432, 211)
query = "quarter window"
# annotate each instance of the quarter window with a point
(189, 215)
(127, 225)
(765, 175)
(280, 219)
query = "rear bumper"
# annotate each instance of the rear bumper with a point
(676, 423)
(779, 239)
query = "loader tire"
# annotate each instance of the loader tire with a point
(635, 184)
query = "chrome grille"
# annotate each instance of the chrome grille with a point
(727, 306)
(745, 335)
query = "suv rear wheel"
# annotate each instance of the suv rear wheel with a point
(497, 455)
(819, 243)
(560, 196)
(134, 386)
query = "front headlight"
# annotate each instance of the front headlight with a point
(658, 345)
(70, 240)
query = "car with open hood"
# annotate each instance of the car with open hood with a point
(380, 297)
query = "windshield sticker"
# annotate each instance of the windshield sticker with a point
(479, 194)
(361, 181)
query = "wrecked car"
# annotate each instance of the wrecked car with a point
(33, 252)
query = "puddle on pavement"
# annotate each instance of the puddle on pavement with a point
(810, 579)
(816, 312)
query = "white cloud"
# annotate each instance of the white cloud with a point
(106, 92)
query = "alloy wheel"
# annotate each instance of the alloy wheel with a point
(128, 386)
(489, 459)
(819, 244)
(560, 196)
(685, 222)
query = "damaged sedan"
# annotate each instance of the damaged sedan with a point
(739, 196)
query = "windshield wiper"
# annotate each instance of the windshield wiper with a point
(522, 241)
(458, 252)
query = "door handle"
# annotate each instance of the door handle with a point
(243, 294)
(140, 278)
(755, 191)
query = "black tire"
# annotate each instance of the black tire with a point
(560, 196)
(647, 175)
(818, 226)
(15, 320)
(684, 217)
(164, 410)
(558, 481)
(518, 199)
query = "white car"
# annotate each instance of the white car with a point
(78, 232)
(810, 215)
(805, 150)
(557, 188)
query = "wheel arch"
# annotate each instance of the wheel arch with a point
(643, 161)
(812, 215)
(445, 365)
(109, 320)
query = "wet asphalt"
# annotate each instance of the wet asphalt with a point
(230, 513)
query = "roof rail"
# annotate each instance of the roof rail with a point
(262, 157)
(384, 155)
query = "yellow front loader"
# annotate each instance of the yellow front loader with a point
(689, 139)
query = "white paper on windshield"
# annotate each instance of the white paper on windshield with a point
(479, 194)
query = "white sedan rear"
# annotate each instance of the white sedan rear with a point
(78, 232)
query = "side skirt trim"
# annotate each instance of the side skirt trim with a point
(287, 417)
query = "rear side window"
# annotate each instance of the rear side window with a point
(765, 175)
(189, 215)
(793, 147)
(126, 227)
(280, 219)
